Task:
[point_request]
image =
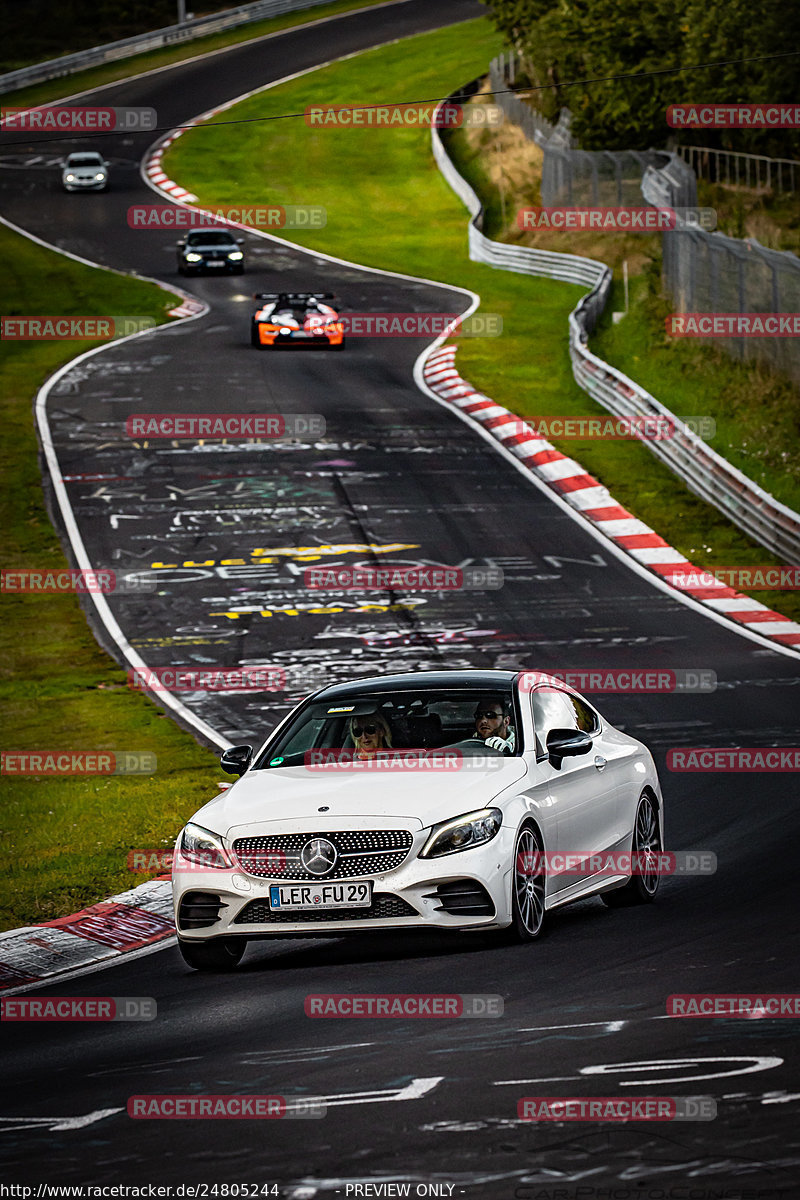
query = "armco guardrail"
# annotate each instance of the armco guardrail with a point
(171, 35)
(704, 471)
(570, 268)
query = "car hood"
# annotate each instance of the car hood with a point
(291, 797)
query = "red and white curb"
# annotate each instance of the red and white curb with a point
(188, 308)
(130, 921)
(586, 494)
(155, 172)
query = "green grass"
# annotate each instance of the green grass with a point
(756, 412)
(95, 77)
(65, 840)
(389, 207)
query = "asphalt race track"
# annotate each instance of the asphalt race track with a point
(424, 1102)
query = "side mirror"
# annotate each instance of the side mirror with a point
(182, 242)
(240, 241)
(567, 743)
(236, 760)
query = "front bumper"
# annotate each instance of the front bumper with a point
(220, 266)
(91, 185)
(468, 890)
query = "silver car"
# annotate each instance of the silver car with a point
(85, 171)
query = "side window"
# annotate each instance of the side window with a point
(585, 717)
(551, 710)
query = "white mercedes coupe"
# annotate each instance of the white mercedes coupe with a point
(448, 800)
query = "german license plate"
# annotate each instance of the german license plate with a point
(289, 897)
(215, 263)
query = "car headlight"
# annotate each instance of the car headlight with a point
(194, 257)
(203, 847)
(462, 833)
(70, 178)
(235, 255)
(100, 175)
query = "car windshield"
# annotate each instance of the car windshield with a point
(84, 160)
(384, 721)
(210, 239)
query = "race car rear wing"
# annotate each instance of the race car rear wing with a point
(293, 297)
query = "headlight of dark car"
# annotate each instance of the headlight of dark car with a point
(463, 833)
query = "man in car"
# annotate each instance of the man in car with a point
(492, 719)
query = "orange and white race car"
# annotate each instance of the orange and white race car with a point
(287, 319)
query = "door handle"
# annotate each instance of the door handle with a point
(599, 762)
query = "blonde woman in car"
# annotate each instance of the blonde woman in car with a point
(370, 733)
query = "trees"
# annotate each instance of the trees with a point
(565, 40)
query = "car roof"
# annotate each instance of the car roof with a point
(419, 680)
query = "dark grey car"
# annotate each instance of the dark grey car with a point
(212, 250)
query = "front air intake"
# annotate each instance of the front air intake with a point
(198, 910)
(463, 898)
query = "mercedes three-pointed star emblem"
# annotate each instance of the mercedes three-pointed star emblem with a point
(318, 856)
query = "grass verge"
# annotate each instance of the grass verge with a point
(389, 207)
(65, 839)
